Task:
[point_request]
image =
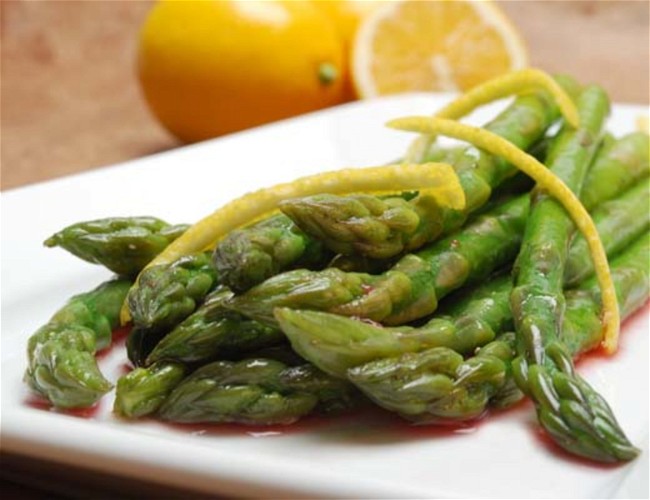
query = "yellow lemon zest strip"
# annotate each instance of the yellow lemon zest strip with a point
(438, 180)
(509, 84)
(497, 146)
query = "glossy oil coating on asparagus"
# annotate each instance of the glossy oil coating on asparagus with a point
(336, 343)
(409, 289)
(256, 391)
(251, 254)
(122, 244)
(617, 167)
(626, 217)
(141, 391)
(537, 301)
(439, 385)
(167, 294)
(213, 330)
(453, 367)
(381, 228)
(61, 354)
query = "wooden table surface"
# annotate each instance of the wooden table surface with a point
(70, 101)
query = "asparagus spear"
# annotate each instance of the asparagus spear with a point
(255, 391)
(141, 391)
(336, 343)
(627, 216)
(254, 254)
(250, 255)
(617, 166)
(61, 363)
(122, 244)
(585, 426)
(167, 294)
(281, 352)
(370, 226)
(438, 385)
(212, 330)
(410, 289)
(631, 273)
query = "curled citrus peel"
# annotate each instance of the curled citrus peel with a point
(514, 83)
(438, 180)
(498, 146)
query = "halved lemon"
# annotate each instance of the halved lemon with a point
(446, 45)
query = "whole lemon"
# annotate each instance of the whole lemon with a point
(348, 14)
(211, 67)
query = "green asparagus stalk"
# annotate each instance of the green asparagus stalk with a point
(255, 391)
(410, 289)
(361, 264)
(167, 294)
(438, 385)
(631, 276)
(250, 255)
(122, 244)
(211, 331)
(627, 216)
(254, 254)
(585, 425)
(61, 354)
(440, 154)
(617, 166)
(382, 228)
(336, 343)
(575, 416)
(280, 352)
(141, 391)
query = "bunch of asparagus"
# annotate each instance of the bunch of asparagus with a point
(283, 317)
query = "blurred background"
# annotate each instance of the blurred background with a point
(72, 99)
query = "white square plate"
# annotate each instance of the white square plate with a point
(367, 456)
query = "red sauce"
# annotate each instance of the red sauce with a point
(600, 356)
(368, 420)
(120, 334)
(306, 424)
(41, 404)
(124, 368)
(118, 340)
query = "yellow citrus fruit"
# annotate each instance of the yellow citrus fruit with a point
(434, 46)
(211, 67)
(347, 15)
